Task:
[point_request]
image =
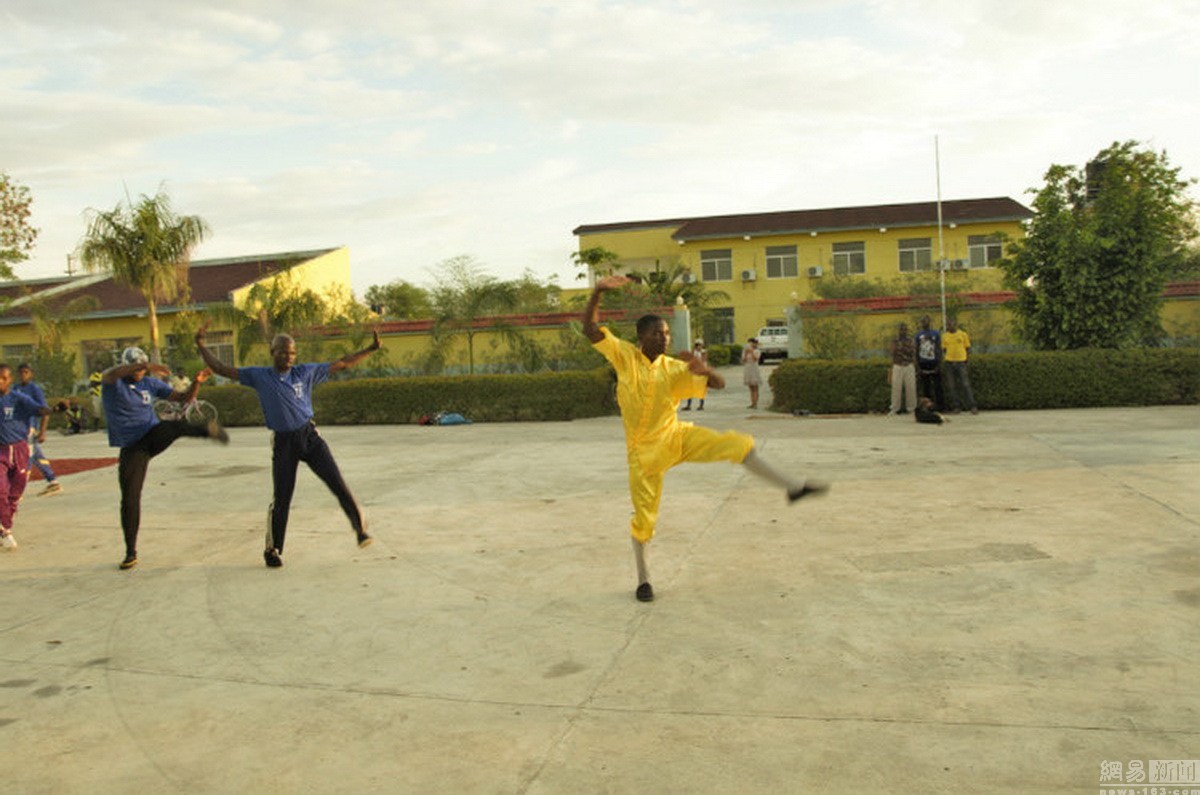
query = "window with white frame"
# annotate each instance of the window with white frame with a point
(916, 254)
(849, 258)
(983, 250)
(15, 354)
(219, 343)
(782, 262)
(716, 265)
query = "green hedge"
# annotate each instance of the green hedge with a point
(480, 398)
(1039, 380)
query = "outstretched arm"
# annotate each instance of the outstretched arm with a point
(351, 359)
(591, 313)
(214, 364)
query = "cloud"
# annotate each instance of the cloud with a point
(416, 132)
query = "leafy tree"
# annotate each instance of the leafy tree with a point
(1104, 241)
(665, 286)
(54, 365)
(534, 296)
(465, 295)
(597, 259)
(50, 324)
(16, 235)
(275, 306)
(400, 300)
(146, 247)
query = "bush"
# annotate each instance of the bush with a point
(719, 355)
(1036, 380)
(481, 398)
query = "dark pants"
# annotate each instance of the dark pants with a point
(288, 450)
(929, 384)
(131, 471)
(959, 383)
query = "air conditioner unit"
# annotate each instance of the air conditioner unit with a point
(815, 271)
(749, 276)
(958, 264)
(687, 278)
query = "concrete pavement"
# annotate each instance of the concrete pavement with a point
(997, 605)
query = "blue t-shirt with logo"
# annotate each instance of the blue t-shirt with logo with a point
(286, 398)
(37, 395)
(129, 408)
(16, 409)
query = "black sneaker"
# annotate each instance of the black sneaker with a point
(364, 540)
(645, 592)
(271, 556)
(130, 561)
(811, 488)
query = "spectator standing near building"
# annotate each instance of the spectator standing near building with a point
(904, 373)
(37, 430)
(16, 411)
(956, 346)
(95, 384)
(700, 353)
(751, 374)
(929, 363)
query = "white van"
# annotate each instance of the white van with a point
(773, 342)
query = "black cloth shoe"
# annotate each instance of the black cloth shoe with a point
(645, 592)
(364, 540)
(271, 556)
(811, 488)
(130, 561)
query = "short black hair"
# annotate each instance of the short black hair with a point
(646, 322)
(24, 366)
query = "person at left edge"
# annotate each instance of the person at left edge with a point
(128, 392)
(16, 410)
(37, 431)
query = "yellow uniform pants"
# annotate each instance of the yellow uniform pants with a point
(697, 444)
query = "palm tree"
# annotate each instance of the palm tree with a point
(464, 295)
(51, 324)
(145, 247)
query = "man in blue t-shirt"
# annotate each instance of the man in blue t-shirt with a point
(128, 394)
(37, 430)
(16, 411)
(929, 363)
(285, 393)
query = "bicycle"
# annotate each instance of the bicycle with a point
(195, 411)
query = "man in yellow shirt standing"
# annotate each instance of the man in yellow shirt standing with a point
(957, 347)
(650, 385)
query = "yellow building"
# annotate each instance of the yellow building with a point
(768, 262)
(119, 318)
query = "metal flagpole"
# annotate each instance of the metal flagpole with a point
(937, 164)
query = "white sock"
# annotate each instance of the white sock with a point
(639, 557)
(755, 463)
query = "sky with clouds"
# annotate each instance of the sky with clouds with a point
(413, 132)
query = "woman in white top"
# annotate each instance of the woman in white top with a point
(751, 376)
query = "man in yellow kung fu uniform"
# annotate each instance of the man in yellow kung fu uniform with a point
(650, 385)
